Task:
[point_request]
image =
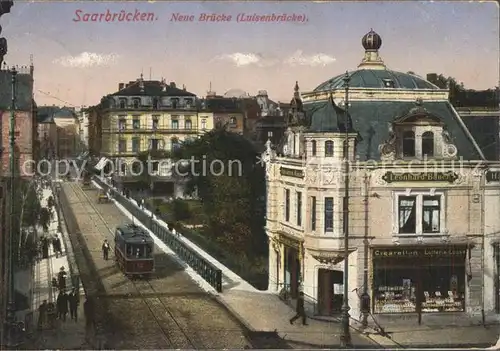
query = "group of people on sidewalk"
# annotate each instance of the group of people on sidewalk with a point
(44, 243)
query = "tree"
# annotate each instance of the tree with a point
(232, 200)
(27, 209)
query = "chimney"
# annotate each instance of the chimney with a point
(121, 86)
(172, 84)
(183, 87)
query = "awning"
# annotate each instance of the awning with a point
(102, 162)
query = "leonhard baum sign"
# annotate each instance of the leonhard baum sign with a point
(449, 177)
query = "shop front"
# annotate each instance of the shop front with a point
(419, 280)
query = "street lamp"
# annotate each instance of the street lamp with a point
(345, 338)
(11, 308)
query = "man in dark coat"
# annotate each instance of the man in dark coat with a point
(73, 302)
(105, 250)
(300, 310)
(88, 310)
(61, 279)
(42, 317)
(62, 306)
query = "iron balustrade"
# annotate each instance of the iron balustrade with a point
(193, 259)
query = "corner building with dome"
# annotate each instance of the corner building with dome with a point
(423, 203)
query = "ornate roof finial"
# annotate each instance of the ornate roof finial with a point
(296, 89)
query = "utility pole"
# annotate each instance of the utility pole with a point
(345, 338)
(11, 308)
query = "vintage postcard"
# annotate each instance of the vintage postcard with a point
(249, 175)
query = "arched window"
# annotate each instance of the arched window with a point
(408, 144)
(428, 144)
(313, 147)
(136, 103)
(123, 103)
(328, 148)
(155, 104)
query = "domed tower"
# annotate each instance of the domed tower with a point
(371, 42)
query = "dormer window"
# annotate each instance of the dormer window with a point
(345, 149)
(328, 148)
(123, 103)
(428, 144)
(175, 102)
(155, 104)
(313, 148)
(389, 83)
(409, 144)
(136, 103)
(232, 121)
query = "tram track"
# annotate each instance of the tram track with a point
(163, 316)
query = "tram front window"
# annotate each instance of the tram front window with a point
(139, 251)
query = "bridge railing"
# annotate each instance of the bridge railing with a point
(204, 268)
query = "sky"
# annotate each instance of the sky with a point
(77, 61)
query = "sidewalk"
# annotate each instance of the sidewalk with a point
(68, 334)
(264, 311)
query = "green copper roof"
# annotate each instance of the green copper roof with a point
(372, 78)
(371, 119)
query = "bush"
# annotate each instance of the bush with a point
(180, 210)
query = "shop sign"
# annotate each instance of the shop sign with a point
(419, 253)
(291, 172)
(289, 241)
(492, 176)
(449, 177)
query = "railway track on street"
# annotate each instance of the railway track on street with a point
(159, 313)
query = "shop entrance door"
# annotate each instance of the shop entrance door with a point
(292, 271)
(330, 293)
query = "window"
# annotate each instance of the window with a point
(175, 102)
(175, 124)
(122, 145)
(203, 124)
(431, 209)
(232, 121)
(299, 208)
(328, 214)
(123, 103)
(329, 148)
(189, 103)
(313, 213)
(420, 214)
(188, 124)
(156, 104)
(122, 124)
(156, 120)
(345, 148)
(136, 103)
(409, 144)
(136, 123)
(287, 205)
(313, 148)
(155, 144)
(136, 145)
(155, 166)
(428, 144)
(407, 209)
(388, 83)
(175, 144)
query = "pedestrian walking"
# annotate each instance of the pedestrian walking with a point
(88, 311)
(73, 302)
(301, 313)
(58, 245)
(54, 246)
(62, 306)
(61, 279)
(105, 250)
(42, 315)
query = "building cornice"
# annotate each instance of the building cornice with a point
(378, 94)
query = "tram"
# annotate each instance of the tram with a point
(134, 251)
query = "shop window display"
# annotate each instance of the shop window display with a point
(427, 288)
